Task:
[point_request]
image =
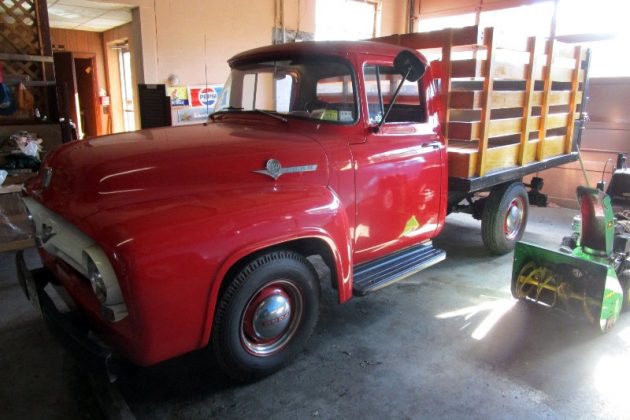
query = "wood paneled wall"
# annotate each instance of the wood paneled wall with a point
(85, 44)
(82, 42)
(99, 43)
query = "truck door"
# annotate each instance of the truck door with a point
(399, 168)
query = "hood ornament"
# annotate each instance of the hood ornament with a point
(274, 169)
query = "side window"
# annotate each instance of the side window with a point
(380, 84)
(257, 91)
(284, 92)
(335, 96)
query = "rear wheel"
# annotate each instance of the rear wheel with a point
(504, 217)
(266, 315)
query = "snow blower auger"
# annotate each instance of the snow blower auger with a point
(590, 275)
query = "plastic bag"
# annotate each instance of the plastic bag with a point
(3, 176)
(14, 223)
(31, 149)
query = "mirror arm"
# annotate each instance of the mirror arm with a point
(378, 88)
(391, 104)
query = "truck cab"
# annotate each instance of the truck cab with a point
(396, 194)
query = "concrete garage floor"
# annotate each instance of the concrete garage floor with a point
(446, 343)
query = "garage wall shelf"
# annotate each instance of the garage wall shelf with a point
(26, 55)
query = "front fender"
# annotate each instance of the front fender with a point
(316, 214)
(173, 255)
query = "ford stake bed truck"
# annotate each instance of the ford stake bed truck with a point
(167, 240)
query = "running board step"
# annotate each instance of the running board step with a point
(377, 274)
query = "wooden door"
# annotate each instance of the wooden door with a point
(87, 90)
(66, 80)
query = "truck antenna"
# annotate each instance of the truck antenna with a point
(205, 61)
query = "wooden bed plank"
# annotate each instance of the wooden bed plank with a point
(469, 35)
(511, 42)
(476, 68)
(504, 127)
(507, 99)
(508, 71)
(554, 146)
(462, 161)
(560, 49)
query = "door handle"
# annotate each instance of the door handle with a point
(433, 144)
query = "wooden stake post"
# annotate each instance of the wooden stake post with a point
(529, 93)
(486, 110)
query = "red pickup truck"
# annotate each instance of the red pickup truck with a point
(168, 240)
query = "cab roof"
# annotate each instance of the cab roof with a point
(341, 48)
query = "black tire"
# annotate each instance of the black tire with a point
(234, 341)
(494, 232)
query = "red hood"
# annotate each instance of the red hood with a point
(174, 162)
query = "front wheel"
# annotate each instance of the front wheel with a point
(266, 315)
(504, 217)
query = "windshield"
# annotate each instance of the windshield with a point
(316, 87)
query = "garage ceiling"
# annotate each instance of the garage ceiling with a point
(87, 15)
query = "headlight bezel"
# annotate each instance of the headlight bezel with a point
(96, 280)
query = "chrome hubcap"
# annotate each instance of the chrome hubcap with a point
(514, 218)
(271, 318)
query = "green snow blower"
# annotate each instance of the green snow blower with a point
(589, 276)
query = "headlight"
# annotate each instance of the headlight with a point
(104, 283)
(96, 280)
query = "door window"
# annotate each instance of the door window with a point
(336, 95)
(380, 84)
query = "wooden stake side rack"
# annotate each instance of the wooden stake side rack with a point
(511, 102)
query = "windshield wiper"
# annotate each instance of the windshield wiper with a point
(228, 108)
(271, 114)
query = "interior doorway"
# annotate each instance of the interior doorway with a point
(77, 93)
(88, 96)
(126, 88)
(67, 98)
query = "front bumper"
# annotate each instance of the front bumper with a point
(70, 328)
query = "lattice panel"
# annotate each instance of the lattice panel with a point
(23, 70)
(18, 31)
